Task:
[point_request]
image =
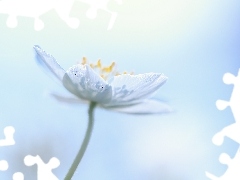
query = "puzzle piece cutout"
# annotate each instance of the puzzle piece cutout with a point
(44, 170)
(3, 165)
(232, 131)
(233, 103)
(25, 8)
(63, 9)
(233, 172)
(36, 8)
(96, 5)
(8, 141)
(8, 132)
(18, 176)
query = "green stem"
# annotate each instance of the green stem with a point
(84, 143)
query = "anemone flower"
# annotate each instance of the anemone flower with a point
(103, 87)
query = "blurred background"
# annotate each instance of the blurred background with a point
(192, 42)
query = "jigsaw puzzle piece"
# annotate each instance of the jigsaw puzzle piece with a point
(44, 170)
(231, 131)
(235, 97)
(96, 5)
(63, 9)
(221, 104)
(18, 176)
(234, 101)
(232, 172)
(8, 132)
(35, 8)
(26, 8)
(3, 165)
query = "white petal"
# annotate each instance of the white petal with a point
(129, 89)
(148, 106)
(67, 100)
(85, 83)
(49, 62)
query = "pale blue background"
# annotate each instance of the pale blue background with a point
(193, 42)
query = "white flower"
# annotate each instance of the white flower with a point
(124, 93)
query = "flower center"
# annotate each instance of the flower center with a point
(106, 72)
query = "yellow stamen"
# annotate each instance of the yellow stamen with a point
(84, 60)
(109, 69)
(106, 69)
(112, 65)
(99, 64)
(105, 72)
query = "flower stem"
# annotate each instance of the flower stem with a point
(84, 143)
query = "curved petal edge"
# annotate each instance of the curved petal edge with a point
(148, 106)
(49, 63)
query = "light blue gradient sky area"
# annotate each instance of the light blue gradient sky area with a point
(193, 42)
